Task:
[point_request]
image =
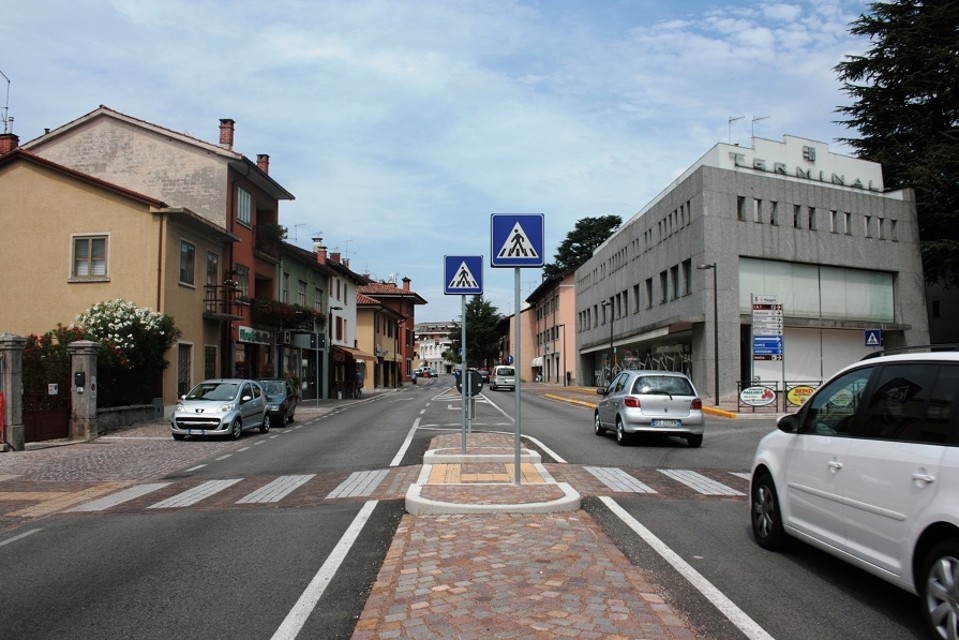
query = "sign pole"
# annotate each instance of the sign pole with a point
(518, 371)
(463, 371)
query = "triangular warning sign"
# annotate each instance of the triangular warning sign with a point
(463, 279)
(872, 340)
(517, 245)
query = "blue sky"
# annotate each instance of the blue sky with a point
(401, 126)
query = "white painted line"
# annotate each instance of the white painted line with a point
(700, 483)
(406, 444)
(242, 450)
(276, 490)
(20, 537)
(618, 480)
(223, 457)
(359, 484)
(298, 615)
(194, 495)
(726, 606)
(119, 497)
(199, 466)
(745, 475)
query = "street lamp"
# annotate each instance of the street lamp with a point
(712, 266)
(612, 349)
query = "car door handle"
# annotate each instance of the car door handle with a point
(923, 477)
(835, 465)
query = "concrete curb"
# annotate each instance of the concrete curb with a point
(417, 505)
(445, 456)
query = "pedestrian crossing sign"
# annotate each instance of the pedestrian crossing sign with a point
(873, 337)
(463, 275)
(517, 240)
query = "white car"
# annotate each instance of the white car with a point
(868, 471)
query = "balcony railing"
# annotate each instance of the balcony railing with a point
(221, 302)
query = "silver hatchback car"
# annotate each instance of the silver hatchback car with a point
(221, 407)
(654, 402)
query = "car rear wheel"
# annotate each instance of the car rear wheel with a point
(598, 425)
(236, 429)
(766, 517)
(694, 441)
(178, 436)
(622, 438)
(265, 425)
(939, 589)
(289, 417)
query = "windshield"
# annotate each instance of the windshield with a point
(660, 385)
(213, 391)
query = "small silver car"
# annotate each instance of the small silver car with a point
(221, 407)
(502, 376)
(653, 402)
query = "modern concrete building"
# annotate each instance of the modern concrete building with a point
(791, 222)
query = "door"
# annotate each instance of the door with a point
(609, 405)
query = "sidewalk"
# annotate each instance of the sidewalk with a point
(476, 556)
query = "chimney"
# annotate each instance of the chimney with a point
(335, 256)
(8, 142)
(346, 262)
(226, 133)
(406, 284)
(263, 162)
(319, 250)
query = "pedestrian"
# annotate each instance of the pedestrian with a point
(358, 388)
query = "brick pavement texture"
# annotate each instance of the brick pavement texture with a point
(475, 577)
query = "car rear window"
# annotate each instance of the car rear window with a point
(660, 385)
(505, 371)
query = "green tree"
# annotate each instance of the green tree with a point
(580, 243)
(905, 92)
(482, 339)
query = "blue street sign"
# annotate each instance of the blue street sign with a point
(516, 240)
(463, 275)
(873, 337)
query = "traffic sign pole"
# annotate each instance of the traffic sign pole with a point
(463, 380)
(519, 380)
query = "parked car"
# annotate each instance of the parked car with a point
(281, 398)
(503, 376)
(225, 406)
(485, 373)
(868, 470)
(650, 402)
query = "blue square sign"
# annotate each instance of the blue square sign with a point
(463, 275)
(873, 337)
(517, 240)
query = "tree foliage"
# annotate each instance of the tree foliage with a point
(482, 339)
(905, 90)
(580, 243)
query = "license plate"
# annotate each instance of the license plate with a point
(196, 432)
(667, 423)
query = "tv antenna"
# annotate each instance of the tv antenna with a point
(296, 232)
(733, 119)
(752, 129)
(7, 120)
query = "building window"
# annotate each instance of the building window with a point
(674, 277)
(834, 221)
(757, 210)
(687, 277)
(847, 223)
(773, 212)
(635, 298)
(187, 263)
(244, 206)
(301, 293)
(797, 223)
(90, 257)
(285, 288)
(812, 218)
(880, 231)
(663, 287)
(740, 208)
(649, 293)
(243, 281)
(894, 230)
(212, 269)
(318, 299)
(184, 361)
(868, 223)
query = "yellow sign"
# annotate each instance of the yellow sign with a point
(799, 394)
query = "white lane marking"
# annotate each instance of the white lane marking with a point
(20, 537)
(700, 483)
(298, 615)
(359, 484)
(552, 454)
(119, 497)
(223, 457)
(406, 444)
(194, 495)
(719, 600)
(745, 475)
(618, 480)
(277, 489)
(199, 466)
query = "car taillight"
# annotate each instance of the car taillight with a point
(629, 401)
(696, 404)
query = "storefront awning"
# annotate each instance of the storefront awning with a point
(537, 362)
(356, 354)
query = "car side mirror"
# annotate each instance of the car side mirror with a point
(602, 391)
(788, 424)
(245, 399)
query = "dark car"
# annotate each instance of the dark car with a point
(486, 374)
(281, 399)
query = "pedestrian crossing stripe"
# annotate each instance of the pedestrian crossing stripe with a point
(517, 245)
(463, 279)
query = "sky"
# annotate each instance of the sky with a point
(401, 126)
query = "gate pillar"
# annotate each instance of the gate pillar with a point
(11, 385)
(83, 389)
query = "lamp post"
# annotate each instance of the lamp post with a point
(563, 327)
(612, 349)
(712, 266)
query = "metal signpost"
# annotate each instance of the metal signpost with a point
(768, 332)
(516, 240)
(463, 277)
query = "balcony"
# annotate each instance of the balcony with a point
(221, 302)
(280, 315)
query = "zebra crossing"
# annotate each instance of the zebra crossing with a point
(364, 484)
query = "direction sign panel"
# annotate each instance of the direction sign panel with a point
(516, 240)
(463, 275)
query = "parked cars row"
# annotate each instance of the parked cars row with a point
(230, 406)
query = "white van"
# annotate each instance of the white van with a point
(503, 376)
